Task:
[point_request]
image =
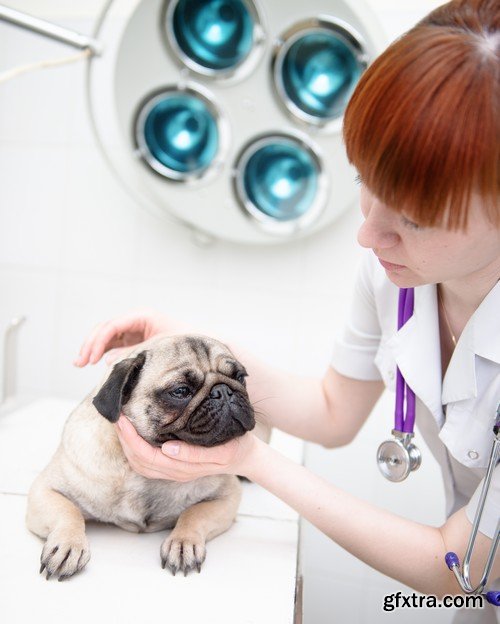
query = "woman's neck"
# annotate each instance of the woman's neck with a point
(457, 302)
(461, 297)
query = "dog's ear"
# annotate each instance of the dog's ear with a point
(118, 387)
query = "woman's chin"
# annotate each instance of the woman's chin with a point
(405, 279)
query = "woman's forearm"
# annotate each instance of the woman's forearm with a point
(405, 550)
(281, 399)
(328, 411)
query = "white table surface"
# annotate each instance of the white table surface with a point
(249, 575)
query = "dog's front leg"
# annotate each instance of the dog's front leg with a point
(51, 516)
(184, 549)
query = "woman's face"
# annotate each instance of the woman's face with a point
(412, 255)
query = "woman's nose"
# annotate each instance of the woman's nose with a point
(377, 232)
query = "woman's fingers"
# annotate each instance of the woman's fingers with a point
(114, 354)
(148, 460)
(108, 335)
(222, 454)
(96, 342)
(111, 335)
(139, 448)
(83, 356)
(124, 331)
(141, 456)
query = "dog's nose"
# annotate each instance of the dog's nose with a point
(220, 391)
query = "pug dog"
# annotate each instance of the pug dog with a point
(187, 388)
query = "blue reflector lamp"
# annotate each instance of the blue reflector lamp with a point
(280, 182)
(177, 134)
(211, 34)
(316, 69)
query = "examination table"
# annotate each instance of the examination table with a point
(251, 574)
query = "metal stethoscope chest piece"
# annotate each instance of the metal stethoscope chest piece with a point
(398, 457)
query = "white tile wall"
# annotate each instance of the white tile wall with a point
(75, 249)
(31, 218)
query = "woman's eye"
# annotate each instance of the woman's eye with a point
(182, 392)
(410, 224)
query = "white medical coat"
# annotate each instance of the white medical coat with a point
(455, 416)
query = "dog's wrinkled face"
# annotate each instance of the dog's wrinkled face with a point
(189, 388)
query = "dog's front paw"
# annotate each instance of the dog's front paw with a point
(64, 554)
(183, 552)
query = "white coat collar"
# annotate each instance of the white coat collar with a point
(416, 349)
(481, 336)
(487, 326)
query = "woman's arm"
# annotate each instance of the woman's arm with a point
(328, 411)
(407, 551)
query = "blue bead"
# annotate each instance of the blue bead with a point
(493, 597)
(216, 34)
(181, 133)
(281, 180)
(451, 560)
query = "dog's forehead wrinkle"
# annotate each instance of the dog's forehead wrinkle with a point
(161, 368)
(173, 361)
(227, 366)
(194, 377)
(179, 376)
(203, 346)
(199, 347)
(168, 355)
(177, 370)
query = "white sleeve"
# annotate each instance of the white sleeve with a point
(491, 512)
(355, 349)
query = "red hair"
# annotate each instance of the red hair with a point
(423, 125)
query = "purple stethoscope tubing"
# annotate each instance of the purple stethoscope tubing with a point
(403, 390)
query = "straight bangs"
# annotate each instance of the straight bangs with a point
(422, 127)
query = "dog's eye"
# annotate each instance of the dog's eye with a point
(182, 392)
(240, 377)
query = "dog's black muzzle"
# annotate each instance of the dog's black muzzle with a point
(225, 414)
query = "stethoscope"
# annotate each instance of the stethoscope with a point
(398, 457)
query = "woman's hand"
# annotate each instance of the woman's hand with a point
(121, 333)
(179, 461)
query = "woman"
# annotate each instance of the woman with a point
(422, 129)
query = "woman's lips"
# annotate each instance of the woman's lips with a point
(389, 266)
